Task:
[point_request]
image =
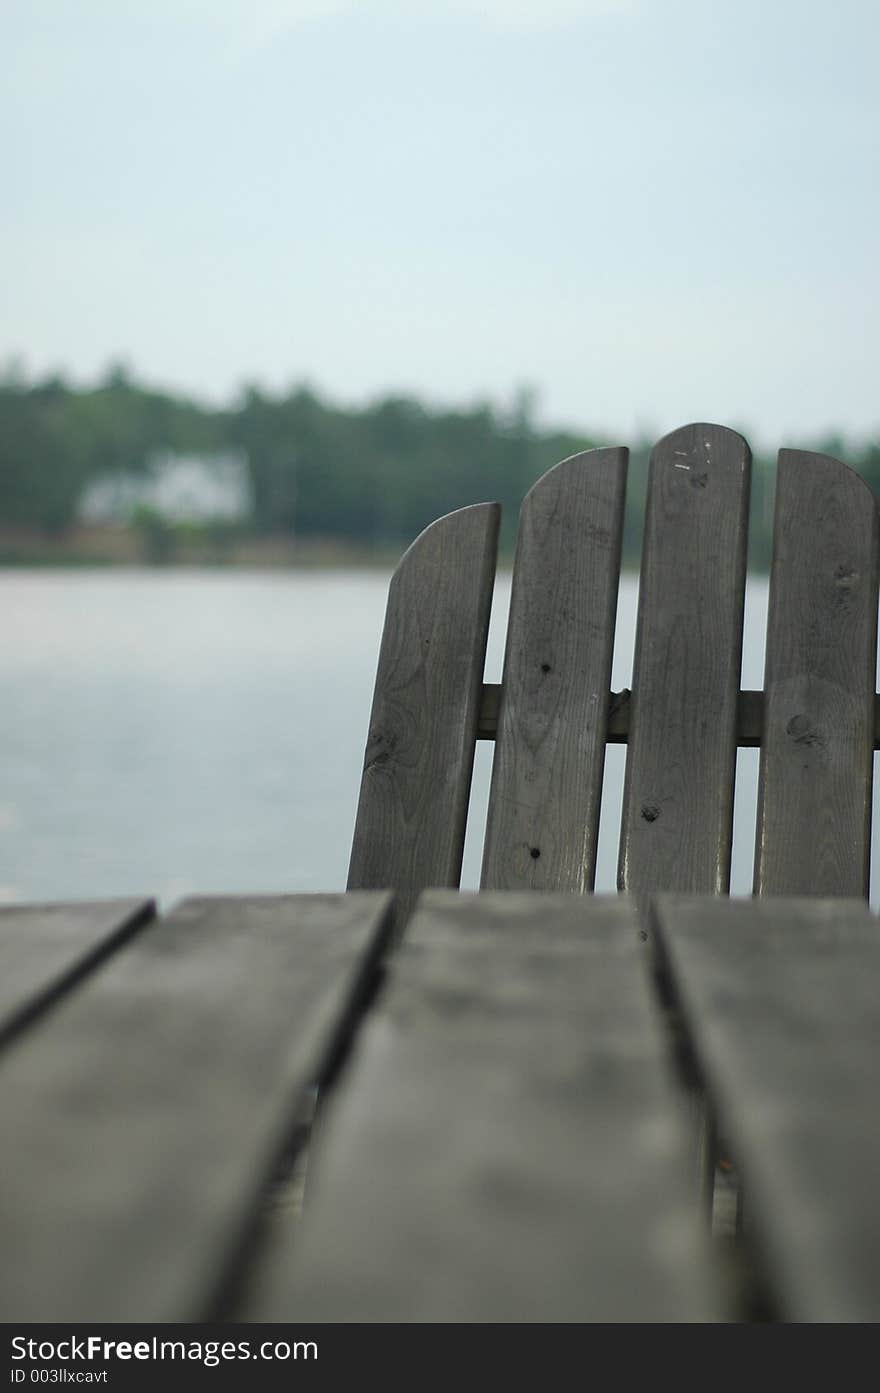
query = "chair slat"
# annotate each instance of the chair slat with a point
(678, 790)
(46, 948)
(150, 1107)
(780, 1003)
(411, 817)
(543, 822)
(506, 1143)
(814, 798)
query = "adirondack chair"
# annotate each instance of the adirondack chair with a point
(554, 712)
(503, 1130)
(500, 1145)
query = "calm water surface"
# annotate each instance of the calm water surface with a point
(174, 733)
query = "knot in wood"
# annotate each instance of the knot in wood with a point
(803, 732)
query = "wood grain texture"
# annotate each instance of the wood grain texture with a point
(151, 1105)
(814, 798)
(506, 1144)
(45, 949)
(543, 821)
(411, 816)
(779, 998)
(678, 790)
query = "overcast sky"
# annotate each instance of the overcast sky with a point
(651, 211)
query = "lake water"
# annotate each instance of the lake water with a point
(170, 733)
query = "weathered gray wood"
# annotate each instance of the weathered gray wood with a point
(506, 1143)
(46, 948)
(419, 758)
(678, 791)
(543, 821)
(814, 798)
(749, 716)
(781, 1003)
(148, 1109)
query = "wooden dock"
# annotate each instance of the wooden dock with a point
(513, 1110)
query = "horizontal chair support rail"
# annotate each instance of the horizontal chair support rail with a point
(749, 722)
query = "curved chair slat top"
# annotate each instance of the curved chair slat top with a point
(678, 798)
(815, 791)
(409, 832)
(543, 821)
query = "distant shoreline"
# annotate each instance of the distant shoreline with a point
(119, 548)
(124, 548)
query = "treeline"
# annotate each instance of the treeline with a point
(373, 476)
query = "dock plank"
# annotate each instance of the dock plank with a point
(506, 1143)
(45, 949)
(779, 999)
(151, 1106)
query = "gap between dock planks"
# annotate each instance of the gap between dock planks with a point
(152, 1105)
(506, 1143)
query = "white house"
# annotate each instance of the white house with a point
(183, 488)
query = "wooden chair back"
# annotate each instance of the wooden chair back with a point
(554, 711)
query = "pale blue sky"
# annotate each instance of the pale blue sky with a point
(652, 212)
